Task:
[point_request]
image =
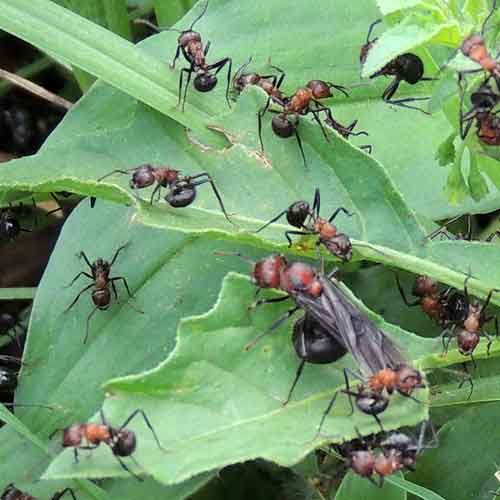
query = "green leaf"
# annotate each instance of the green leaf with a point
(465, 454)
(477, 184)
(389, 6)
(413, 488)
(226, 401)
(446, 152)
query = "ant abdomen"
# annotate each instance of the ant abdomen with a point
(205, 82)
(412, 68)
(181, 196)
(282, 126)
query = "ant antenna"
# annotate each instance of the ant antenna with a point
(493, 8)
(200, 16)
(370, 29)
(154, 27)
(242, 68)
(234, 254)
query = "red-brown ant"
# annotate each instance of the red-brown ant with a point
(338, 244)
(474, 48)
(121, 441)
(313, 344)
(369, 396)
(191, 46)
(406, 67)
(12, 493)
(101, 295)
(483, 100)
(469, 327)
(270, 84)
(305, 100)
(181, 188)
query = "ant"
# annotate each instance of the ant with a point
(181, 188)
(468, 327)
(12, 493)
(9, 323)
(483, 100)
(270, 84)
(406, 67)
(8, 376)
(313, 344)
(474, 48)
(347, 131)
(467, 236)
(101, 295)
(191, 46)
(369, 396)
(305, 100)
(10, 227)
(121, 441)
(443, 307)
(338, 244)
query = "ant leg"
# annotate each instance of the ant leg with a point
(317, 202)
(401, 103)
(403, 295)
(177, 54)
(121, 278)
(147, 422)
(81, 273)
(446, 338)
(216, 192)
(85, 258)
(88, 324)
(202, 13)
(78, 296)
(378, 422)
(207, 47)
(117, 252)
(275, 325)
(494, 6)
(218, 66)
(299, 142)
(340, 209)
(189, 73)
(486, 302)
(274, 300)
(260, 114)
(468, 378)
(296, 379)
(60, 494)
(297, 233)
(114, 290)
(75, 453)
(318, 121)
(466, 118)
(274, 219)
(117, 171)
(325, 414)
(125, 467)
(370, 29)
(492, 236)
(281, 77)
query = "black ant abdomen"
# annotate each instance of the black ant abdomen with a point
(181, 196)
(284, 126)
(205, 82)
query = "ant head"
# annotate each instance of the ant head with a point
(297, 213)
(267, 272)
(484, 99)
(7, 321)
(143, 176)
(8, 379)
(371, 404)
(124, 443)
(72, 435)
(283, 126)
(467, 342)
(339, 245)
(411, 68)
(320, 89)
(408, 379)
(362, 462)
(300, 277)
(397, 440)
(240, 82)
(9, 225)
(205, 82)
(181, 195)
(424, 286)
(472, 44)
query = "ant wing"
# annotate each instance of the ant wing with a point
(370, 347)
